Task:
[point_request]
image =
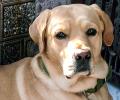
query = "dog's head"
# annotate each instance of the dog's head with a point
(71, 36)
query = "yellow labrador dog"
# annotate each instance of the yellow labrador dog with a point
(69, 65)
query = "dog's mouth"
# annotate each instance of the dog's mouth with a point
(85, 73)
(78, 72)
(79, 68)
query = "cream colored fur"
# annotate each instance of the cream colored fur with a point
(24, 80)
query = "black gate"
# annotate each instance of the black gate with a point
(15, 17)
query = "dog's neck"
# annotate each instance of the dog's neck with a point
(43, 68)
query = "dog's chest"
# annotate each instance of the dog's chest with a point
(46, 93)
(58, 95)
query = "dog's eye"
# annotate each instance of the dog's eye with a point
(91, 32)
(61, 35)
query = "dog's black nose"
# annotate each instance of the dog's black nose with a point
(82, 61)
(83, 55)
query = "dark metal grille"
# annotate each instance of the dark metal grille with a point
(11, 50)
(15, 18)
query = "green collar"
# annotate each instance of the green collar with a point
(43, 67)
(100, 82)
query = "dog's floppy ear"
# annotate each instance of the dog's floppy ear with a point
(108, 26)
(38, 27)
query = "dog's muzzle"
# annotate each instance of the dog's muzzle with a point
(81, 63)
